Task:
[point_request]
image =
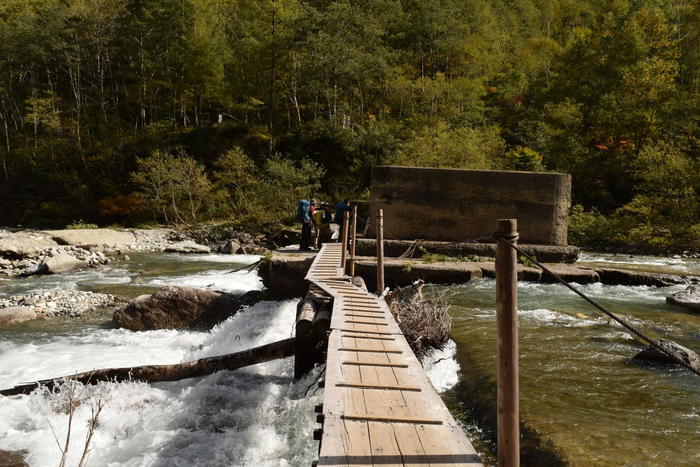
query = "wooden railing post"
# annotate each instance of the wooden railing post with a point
(380, 251)
(353, 235)
(507, 403)
(344, 239)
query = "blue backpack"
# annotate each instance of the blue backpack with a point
(303, 210)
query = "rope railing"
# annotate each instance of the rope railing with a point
(611, 315)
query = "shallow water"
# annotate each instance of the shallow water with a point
(579, 388)
(643, 263)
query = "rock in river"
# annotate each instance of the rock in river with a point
(681, 353)
(180, 308)
(688, 298)
(60, 263)
(187, 246)
(16, 314)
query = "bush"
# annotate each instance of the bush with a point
(522, 158)
(174, 185)
(588, 228)
(80, 225)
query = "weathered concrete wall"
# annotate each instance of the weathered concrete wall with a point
(459, 205)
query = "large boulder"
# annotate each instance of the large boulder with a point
(180, 308)
(187, 246)
(95, 237)
(16, 314)
(60, 263)
(19, 245)
(688, 298)
(684, 354)
(231, 247)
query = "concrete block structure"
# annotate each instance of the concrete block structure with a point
(463, 205)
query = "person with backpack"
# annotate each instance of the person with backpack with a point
(304, 217)
(322, 219)
(340, 209)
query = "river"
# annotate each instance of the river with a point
(580, 391)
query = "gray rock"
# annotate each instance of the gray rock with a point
(16, 314)
(231, 247)
(60, 263)
(102, 237)
(684, 354)
(571, 274)
(611, 276)
(24, 244)
(688, 298)
(187, 246)
(178, 308)
(525, 273)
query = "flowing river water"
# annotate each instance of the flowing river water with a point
(581, 395)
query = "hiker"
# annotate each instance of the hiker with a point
(340, 209)
(322, 220)
(304, 216)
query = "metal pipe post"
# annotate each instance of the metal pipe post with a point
(353, 237)
(380, 251)
(507, 403)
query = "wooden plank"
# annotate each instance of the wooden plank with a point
(385, 450)
(388, 418)
(355, 349)
(379, 333)
(444, 446)
(367, 363)
(345, 442)
(371, 316)
(359, 384)
(351, 321)
(380, 338)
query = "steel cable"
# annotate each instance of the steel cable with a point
(611, 315)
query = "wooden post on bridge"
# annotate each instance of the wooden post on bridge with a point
(508, 392)
(380, 251)
(344, 239)
(353, 239)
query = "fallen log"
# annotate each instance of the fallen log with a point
(156, 373)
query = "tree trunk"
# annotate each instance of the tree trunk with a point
(156, 373)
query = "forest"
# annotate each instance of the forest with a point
(130, 112)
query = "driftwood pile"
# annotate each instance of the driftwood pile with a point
(425, 322)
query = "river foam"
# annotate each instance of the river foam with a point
(253, 416)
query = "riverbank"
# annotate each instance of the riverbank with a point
(31, 252)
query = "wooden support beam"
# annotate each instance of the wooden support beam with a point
(353, 239)
(344, 239)
(508, 392)
(380, 251)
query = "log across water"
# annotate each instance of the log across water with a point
(156, 373)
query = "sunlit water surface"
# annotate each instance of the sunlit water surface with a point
(580, 390)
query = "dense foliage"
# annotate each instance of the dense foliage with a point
(250, 104)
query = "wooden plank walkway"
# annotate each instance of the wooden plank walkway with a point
(379, 406)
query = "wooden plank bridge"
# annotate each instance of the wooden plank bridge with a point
(379, 406)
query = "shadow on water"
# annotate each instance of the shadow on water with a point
(473, 402)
